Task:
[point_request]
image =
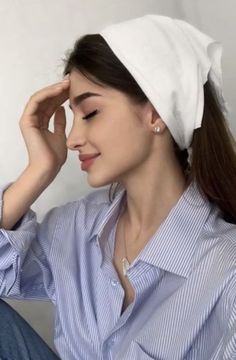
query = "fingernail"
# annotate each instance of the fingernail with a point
(66, 78)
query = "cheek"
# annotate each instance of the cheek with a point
(121, 135)
(126, 145)
(122, 151)
(124, 124)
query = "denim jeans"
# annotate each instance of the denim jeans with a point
(18, 341)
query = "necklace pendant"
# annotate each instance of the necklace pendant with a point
(125, 266)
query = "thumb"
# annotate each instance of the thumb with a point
(60, 121)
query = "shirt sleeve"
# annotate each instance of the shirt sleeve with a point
(25, 271)
(229, 348)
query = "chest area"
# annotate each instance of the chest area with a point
(119, 256)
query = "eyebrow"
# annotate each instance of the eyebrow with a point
(78, 99)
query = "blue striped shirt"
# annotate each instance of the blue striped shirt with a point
(184, 280)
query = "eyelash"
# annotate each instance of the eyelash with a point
(90, 115)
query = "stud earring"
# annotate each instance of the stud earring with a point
(157, 129)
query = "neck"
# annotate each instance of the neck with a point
(147, 207)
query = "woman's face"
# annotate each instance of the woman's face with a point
(118, 131)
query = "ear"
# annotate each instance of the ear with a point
(153, 117)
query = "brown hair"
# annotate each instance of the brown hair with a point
(213, 165)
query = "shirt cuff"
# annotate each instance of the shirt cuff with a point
(2, 189)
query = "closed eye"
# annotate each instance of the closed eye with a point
(90, 115)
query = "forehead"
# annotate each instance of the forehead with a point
(78, 79)
(80, 85)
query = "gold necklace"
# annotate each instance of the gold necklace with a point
(125, 261)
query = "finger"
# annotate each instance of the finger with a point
(60, 121)
(57, 101)
(41, 96)
(52, 108)
(40, 115)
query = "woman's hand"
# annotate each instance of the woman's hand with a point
(47, 150)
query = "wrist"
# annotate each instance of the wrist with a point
(44, 176)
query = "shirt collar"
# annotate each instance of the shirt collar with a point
(108, 217)
(173, 244)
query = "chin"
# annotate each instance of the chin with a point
(96, 182)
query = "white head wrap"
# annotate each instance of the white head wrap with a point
(170, 60)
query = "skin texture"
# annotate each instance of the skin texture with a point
(131, 153)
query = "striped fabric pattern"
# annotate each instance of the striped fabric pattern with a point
(184, 280)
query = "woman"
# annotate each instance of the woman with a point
(148, 273)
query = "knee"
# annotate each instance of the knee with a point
(6, 311)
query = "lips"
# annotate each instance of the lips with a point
(87, 156)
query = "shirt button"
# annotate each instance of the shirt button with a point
(114, 282)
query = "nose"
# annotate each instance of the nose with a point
(75, 138)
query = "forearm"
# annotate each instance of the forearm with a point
(18, 198)
(47, 151)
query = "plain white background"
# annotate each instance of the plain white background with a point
(34, 38)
